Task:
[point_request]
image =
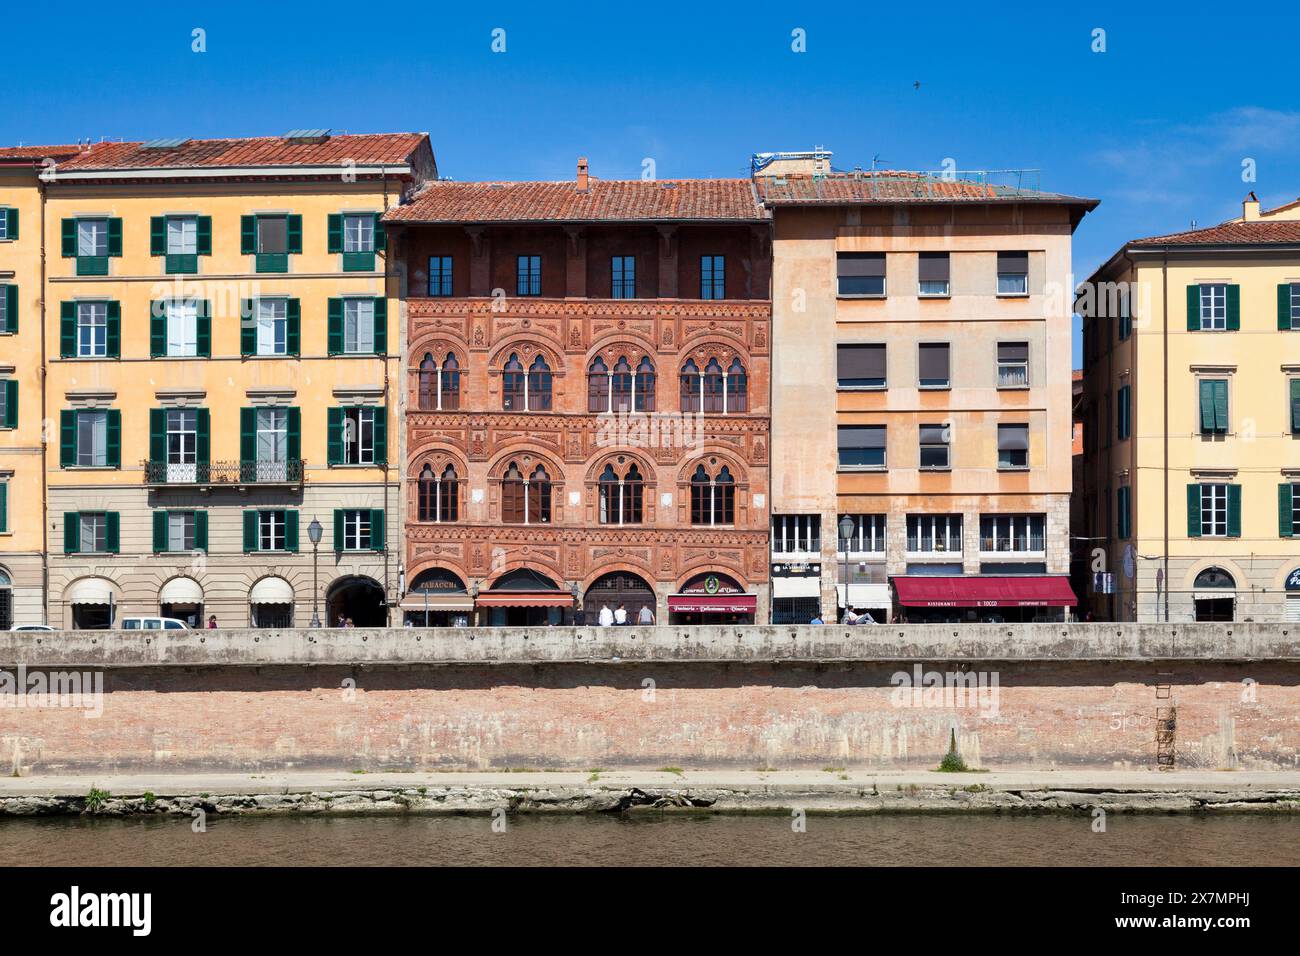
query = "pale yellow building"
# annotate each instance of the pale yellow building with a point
(920, 390)
(223, 348)
(1192, 422)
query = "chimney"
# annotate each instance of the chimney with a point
(1250, 207)
(582, 174)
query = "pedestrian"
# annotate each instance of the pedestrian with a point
(817, 619)
(645, 615)
(212, 622)
(849, 616)
(620, 616)
(606, 617)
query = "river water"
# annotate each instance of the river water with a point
(654, 839)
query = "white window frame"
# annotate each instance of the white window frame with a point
(92, 234)
(92, 330)
(1295, 305)
(180, 531)
(360, 420)
(1006, 368)
(93, 528)
(270, 529)
(92, 430)
(933, 526)
(182, 235)
(1014, 529)
(796, 535)
(359, 326)
(868, 538)
(182, 453)
(272, 317)
(356, 525)
(358, 232)
(1214, 507)
(1214, 306)
(182, 321)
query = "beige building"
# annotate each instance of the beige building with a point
(1191, 489)
(920, 390)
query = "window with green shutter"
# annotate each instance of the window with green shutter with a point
(1295, 406)
(8, 223)
(1125, 502)
(71, 532)
(9, 403)
(1288, 509)
(271, 239)
(1194, 511)
(8, 308)
(4, 506)
(1288, 306)
(360, 237)
(1125, 412)
(92, 241)
(1214, 406)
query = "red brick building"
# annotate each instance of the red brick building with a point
(587, 400)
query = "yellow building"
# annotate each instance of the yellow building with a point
(222, 351)
(1192, 422)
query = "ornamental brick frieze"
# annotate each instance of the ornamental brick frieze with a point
(422, 309)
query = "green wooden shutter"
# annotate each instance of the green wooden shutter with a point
(1234, 511)
(1193, 308)
(203, 235)
(1125, 505)
(113, 329)
(157, 236)
(4, 506)
(381, 235)
(158, 434)
(250, 531)
(334, 327)
(334, 436)
(67, 329)
(112, 532)
(338, 529)
(159, 532)
(247, 235)
(1234, 307)
(247, 328)
(247, 434)
(203, 440)
(1124, 413)
(1193, 511)
(381, 326)
(1284, 307)
(114, 237)
(294, 226)
(381, 435)
(200, 531)
(12, 228)
(291, 531)
(71, 532)
(334, 238)
(157, 329)
(1295, 406)
(203, 329)
(67, 438)
(292, 326)
(113, 439)
(293, 434)
(1221, 406)
(1286, 510)
(11, 308)
(69, 227)
(11, 403)
(1207, 406)
(377, 529)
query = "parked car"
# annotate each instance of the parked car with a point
(153, 624)
(32, 627)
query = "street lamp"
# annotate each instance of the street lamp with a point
(846, 532)
(314, 532)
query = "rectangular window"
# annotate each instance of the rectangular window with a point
(934, 534)
(94, 532)
(1013, 446)
(6, 419)
(623, 277)
(1289, 499)
(359, 436)
(796, 534)
(1013, 273)
(934, 447)
(92, 439)
(1214, 307)
(1294, 289)
(1124, 499)
(1295, 406)
(359, 326)
(932, 365)
(1214, 510)
(272, 444)
(1012, 533)
(860, 273)
(182, 235)
(861, 446)
(358, 232)
(440, 275)
(182, 328)
(713, 277)
(272, 326)
(272, 235)
(92, 238)
(180, 531)
(182, 443)
(1214, 406)
(4, 299)
(270, 531)
(932, 274)
(1013, 365)
(860, 366)
(868, 535)
(528, 271)
(92, 329)
(356, 530)
(1125, 419)
(4, 222)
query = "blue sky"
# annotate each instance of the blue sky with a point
(1157, 126)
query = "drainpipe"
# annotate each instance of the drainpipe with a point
(1164, 279)
(388, 611)
(44, 466)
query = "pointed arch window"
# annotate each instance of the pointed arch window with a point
(525, 500)
(598, 386)
(621, 496)
(620, 389)
(713, 497)
(715, 391)
(526, 391)
(539, 386)
(439, 385)
(643, 389)
(438, 495)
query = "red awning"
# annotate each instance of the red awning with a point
(984, 591)
(525, 599)
(713, 603)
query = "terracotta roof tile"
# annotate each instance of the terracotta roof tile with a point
(37, 153)
(893, 186)
(604, 200)
(1230, 233)
(260, 151)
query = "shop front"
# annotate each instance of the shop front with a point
(712, 599)
(987, 599)
(437, 598)
(525, 598)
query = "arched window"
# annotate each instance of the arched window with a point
(737, 388)
(713, 390)
(525, 500)
(6, 601)
(713, 498)
(513, 385)
(644, 387)
(690, 386)
(621, 385)
(620, 390)
(439, 388)
(428, 383)
(621, 497)
(598, 386)
(539, 497)
(539, 386)
(438, 496)
(1214, 578)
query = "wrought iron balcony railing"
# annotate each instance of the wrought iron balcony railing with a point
(231, 473)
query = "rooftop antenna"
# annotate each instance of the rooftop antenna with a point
(877, 159)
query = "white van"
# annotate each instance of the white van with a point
(153, 624)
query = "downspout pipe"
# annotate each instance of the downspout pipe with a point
(44, 465)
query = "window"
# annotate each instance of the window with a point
(1214, 406)
(271, 531)
(1295, 406)
(1214, 306)
(714, 391)
(1013, 446)
(796, 534)
(525, 500)
(8, 403)
(621, 495)
(272, 326)
(1013, 365)
(182, 437)
(530, 392)
(438, 495)
(93, 532)
(359, 436)
(1124, 422)
(868, 535)
(271, 239)
(861, 273)
(439, 386)
(1013, 273)
(358, 232)
(643, 387)
(932, 274)
(5, 594)
(529, 275)
(1012, 533)
(8, 304)
(271, 431)
(623, 277)
(713, 277)
(359, 326)
(934, 534)
(92, 242)
(861, 446)
(272, 235)
(92, 238)
(932, 365)
(619, 390)
(182, 244)
(92, 329)
(1214, 510)
(934, 447)
(356, 530)
(8, 215)
(182, 318)
(1124, 500)
(1125, 315)
(1288, 509)
(860, 366)
(1288, 306)
(92, 439)
(713, 497)
(180, 531)
(440, 272)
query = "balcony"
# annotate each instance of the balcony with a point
(232, 474)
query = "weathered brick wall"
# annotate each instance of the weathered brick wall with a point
(647, 714)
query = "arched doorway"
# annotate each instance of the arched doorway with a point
(437, 598)
(614, 590)
(95, 603)
(525, 598)
(712, 598)
(182, 598)
(1214, 595)
(358, 600)
(6, 601)
(270, 603)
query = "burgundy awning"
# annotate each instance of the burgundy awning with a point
(713, 603)
(984, 591)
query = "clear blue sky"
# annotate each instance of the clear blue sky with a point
(1156, 127)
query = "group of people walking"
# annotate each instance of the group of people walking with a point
(618, 616)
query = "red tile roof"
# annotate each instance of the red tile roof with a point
(612, 200)
(893, 186)
(259, 151)
(1257, 231)
(29, 154)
